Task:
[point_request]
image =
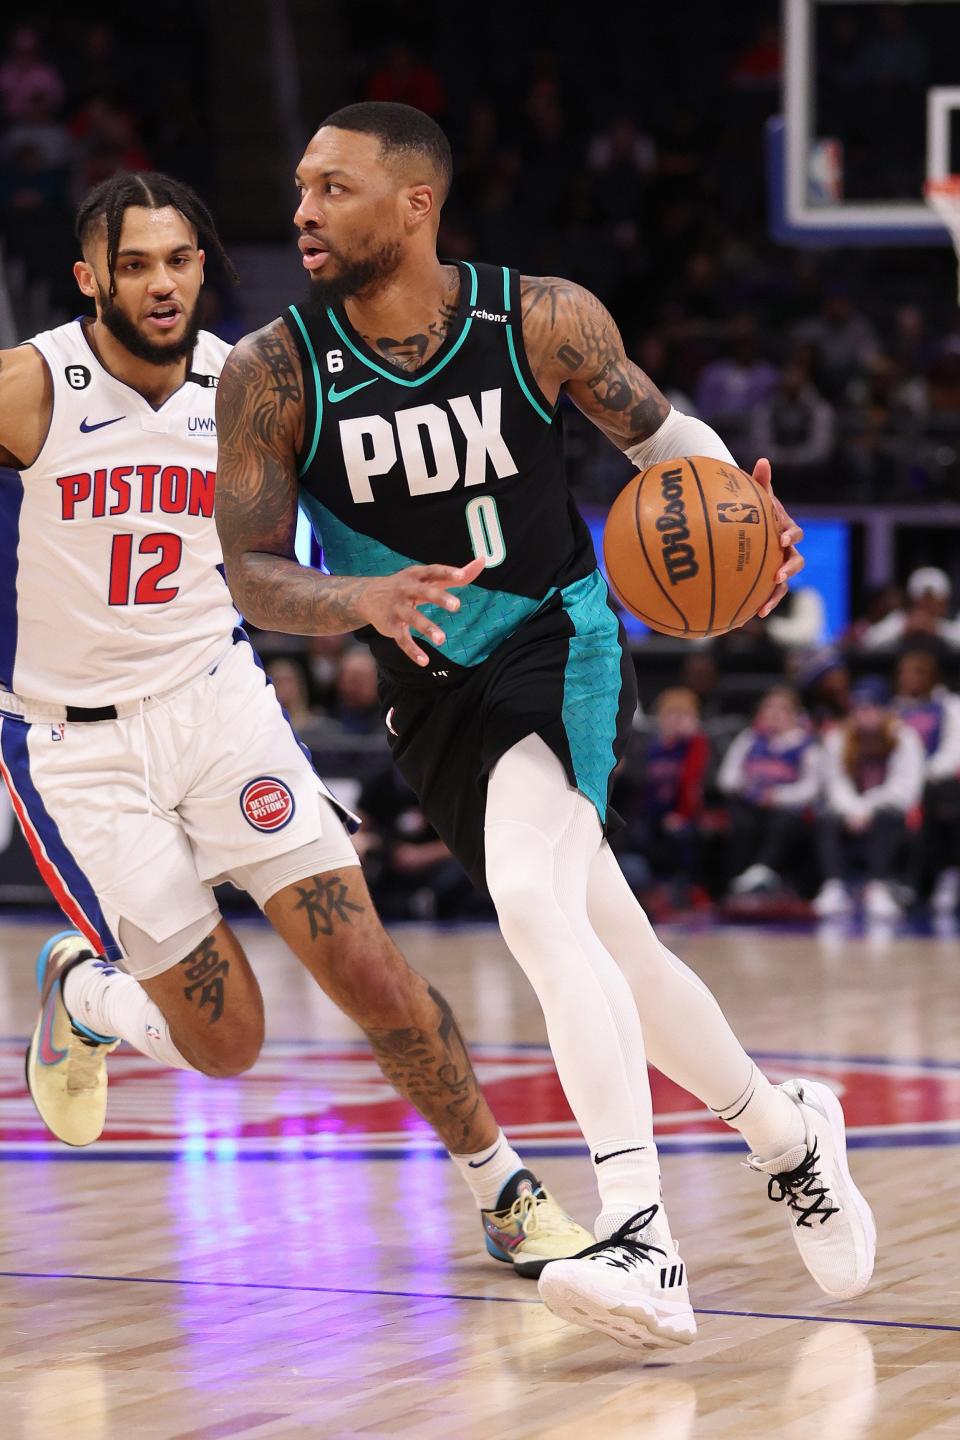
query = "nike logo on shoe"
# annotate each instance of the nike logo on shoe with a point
(49, 1053)
(333, 394)
(631, 1150)
(86, 427)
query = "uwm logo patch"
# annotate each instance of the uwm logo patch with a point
(316, 1098)
(267, 803)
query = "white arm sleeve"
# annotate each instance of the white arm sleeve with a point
(679, 435)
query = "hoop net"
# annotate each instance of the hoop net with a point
(943, 196)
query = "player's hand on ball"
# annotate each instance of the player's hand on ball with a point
(391, 603)
(790, 537)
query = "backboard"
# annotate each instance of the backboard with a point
(871, 109)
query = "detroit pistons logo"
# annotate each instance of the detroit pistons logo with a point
(267, 803)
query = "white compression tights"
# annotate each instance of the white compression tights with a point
(592, 957)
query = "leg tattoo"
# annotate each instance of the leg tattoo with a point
(433, 1071)
(324, 902)
(206, 970)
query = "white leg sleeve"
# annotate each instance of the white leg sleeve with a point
(687, 1036)
(541, 837)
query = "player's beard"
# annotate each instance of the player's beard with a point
(353, 277)
(123, 329)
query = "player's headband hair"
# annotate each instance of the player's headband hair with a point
(111, 198)
(400, 129)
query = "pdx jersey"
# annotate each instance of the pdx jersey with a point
(109, 586)
(461, 459)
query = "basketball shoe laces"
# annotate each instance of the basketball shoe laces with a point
(525, 1212)
(623, 1249)
(803, 1183)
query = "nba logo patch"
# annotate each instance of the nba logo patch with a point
(267, 803)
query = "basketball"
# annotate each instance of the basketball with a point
(691, 547)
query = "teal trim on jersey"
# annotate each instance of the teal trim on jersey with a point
(473, 282)
(485, 618)
(511, 346)
(520, 380)
(317, 385)
(591, 687)
(386, 374)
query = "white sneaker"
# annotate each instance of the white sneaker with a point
(832, 901)
(66, 1063)
(946, 893)
(833, 1225)
(879, 902)
(627, 1287)
(754, 879)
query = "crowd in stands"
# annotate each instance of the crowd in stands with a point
(840, 792)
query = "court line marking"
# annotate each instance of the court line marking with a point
(427, 1295)
(225, 1149)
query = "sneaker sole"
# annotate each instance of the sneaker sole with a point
(637, 1325)
(528, 1269)
(838, 1129)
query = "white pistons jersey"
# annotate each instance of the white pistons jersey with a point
(111, 578)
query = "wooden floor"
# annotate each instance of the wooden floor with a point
(286, 1255)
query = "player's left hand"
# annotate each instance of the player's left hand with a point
(790, 537)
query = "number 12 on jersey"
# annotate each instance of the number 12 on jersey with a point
(147, 590)
(486, 534)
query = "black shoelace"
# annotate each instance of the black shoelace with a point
(627, 1252)
(801, 1184)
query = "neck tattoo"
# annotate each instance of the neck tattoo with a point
(415, 350)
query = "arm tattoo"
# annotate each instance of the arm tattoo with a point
(572, 342)
(432, 1069)
(260, 417)
(206, 971)
(324, 902)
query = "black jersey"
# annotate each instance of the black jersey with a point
(460, 459)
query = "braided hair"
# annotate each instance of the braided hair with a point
(154, 191)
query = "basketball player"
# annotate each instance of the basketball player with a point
(412, 406)
(145, 752)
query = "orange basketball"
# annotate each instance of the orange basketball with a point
(691, 547)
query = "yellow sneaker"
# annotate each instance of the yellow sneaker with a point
(66, 1063)
(528, 1229)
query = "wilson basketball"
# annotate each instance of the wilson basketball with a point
(691, 547)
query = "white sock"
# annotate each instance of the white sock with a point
(770, 1123)
(487, 1171)
(625, 1171)
(110, 1003)
(686, 1034)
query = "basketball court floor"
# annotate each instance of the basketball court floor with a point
(286, 1255)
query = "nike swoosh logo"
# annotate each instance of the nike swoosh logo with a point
(86, 427)
(333, 394)
(49, 1054)
(633, 1150)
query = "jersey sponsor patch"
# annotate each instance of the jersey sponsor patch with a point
(267, 803)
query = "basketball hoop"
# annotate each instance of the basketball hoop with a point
(943, 196)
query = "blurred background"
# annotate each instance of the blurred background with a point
(782, 770)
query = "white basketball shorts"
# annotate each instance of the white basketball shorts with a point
(135, 819)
